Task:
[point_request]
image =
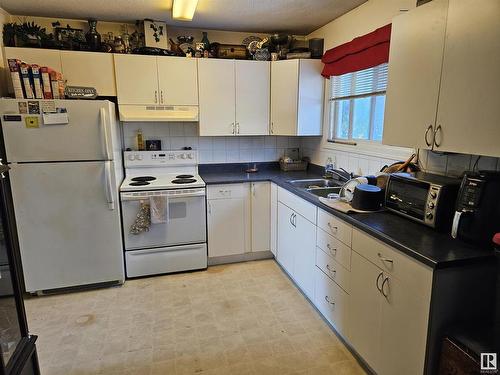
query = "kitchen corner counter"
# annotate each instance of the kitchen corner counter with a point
(432, 248)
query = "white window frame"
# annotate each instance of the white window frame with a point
(331, 136)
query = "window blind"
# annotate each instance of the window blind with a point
(361, 83)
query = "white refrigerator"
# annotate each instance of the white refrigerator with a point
(65, 180)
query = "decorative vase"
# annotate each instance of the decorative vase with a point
(93, 37)
(205, 41)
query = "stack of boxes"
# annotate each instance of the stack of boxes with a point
(32, 81)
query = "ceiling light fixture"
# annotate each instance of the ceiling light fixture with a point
(183, 10)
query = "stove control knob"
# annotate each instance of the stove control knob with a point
(138, 157)
(433, 195)
(183, 156)
(429, 215)
(131, 157)
(431, 205)
(190, 156)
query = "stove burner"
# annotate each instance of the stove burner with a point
(184, 176)
(144, 178)
(139, 183)
(183, 181)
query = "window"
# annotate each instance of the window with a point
(357, 102)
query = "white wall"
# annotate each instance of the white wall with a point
(361, 20)
(175, 136)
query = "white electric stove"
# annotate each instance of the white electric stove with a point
(178, 241)
(156, 170)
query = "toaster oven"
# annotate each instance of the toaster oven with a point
(423, 197)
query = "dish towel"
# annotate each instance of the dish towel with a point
(159, 209)
(142, 220)
(342, 206)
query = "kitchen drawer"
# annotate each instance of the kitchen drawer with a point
(331, 301)
(332, 269)
(227, 191)
(332, 246)
(334, 226)
(411, 272)
(299, 205)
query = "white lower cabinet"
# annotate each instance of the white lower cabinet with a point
(388, 317)
(228, 219)
(331, 301)
(365, 306)
(260, 199)
(239, 218)
(296, 246)
(274, 218)
(375, 296)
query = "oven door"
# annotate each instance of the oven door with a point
(185, 224)
(407, 197)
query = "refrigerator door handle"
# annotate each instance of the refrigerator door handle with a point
(104, 126)
(108, 185)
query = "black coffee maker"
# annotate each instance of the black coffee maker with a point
(477, 215)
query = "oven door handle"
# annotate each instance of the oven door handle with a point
(130, 197)
(164, 249)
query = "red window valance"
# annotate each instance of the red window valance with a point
(360, 53)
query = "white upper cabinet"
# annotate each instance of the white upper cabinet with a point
(469, 110)
(90, 69)
(43, 57)
(445, 87)
(234, 97)
(297, 89)
(252, 97)
(416, 53)
(162, 80)
(177, 80)
(136, 79)
(216, 94)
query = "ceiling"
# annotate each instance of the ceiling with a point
(295, 16)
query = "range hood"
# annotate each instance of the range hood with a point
(177, 113)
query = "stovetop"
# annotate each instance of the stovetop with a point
(156, 170)
(162, 182)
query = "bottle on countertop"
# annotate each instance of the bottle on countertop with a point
(140, 140)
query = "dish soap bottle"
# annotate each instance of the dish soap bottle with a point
(140, 141)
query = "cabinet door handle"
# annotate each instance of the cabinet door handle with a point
(253, 189)
(237, 128)
(332, 227)
(384, 259)
(440, 130)
(161, 96)
(386, 280)
(333, 272)
(272, 127)
(156, 96)
(291, 219)
(295, 220)
(378, 279)
(333, 251)
(327, 299)
(209, 208)
(429, 128)
(232, 128)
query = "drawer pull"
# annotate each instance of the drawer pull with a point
(334, 272)
(378, 279)
(327, 299)
(332, 227)
(386, 280)
(383, 259)
(333, 251)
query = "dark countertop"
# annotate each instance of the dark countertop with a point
(432, 248)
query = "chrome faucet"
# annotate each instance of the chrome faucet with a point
(341, 173)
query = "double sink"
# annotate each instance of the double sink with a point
(320, 187)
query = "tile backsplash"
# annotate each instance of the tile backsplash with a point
(175, 136)
(455, 164)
